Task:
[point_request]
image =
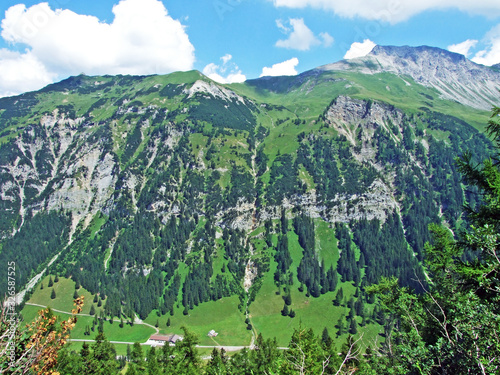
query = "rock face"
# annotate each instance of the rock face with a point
(79, 177)
(214, 90)
(56, 168)
(348, 115)
(451, 74)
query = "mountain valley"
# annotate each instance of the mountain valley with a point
(245, 208)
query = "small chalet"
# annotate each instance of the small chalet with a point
(163, 339)
(212, 333)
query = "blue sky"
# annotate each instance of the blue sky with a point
(228, 40)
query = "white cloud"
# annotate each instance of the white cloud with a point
(491, 54)
(300, 37)
(285, 68)
(282, 26)
(141, 39)
(327, 39)
(21, 72)
(359, 49)
(393, 11)
(464, 47)
(214, 71)
(225, 59)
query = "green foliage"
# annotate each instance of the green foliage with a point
(452, 327)
(40, 238)
(386, 252)
(283, 179)
(223, 113)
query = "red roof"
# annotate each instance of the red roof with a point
(166, 338)
(160, 337)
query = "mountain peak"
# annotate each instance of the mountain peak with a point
(407, 52)
(451, 74)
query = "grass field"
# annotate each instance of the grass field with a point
(315, 313)
(64, 289)
(64, 302)
(222, 316)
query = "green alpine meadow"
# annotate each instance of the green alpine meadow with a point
(341, 221)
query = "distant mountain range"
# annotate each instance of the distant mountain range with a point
(166, 192)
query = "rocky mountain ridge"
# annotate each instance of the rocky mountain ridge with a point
(451, 74)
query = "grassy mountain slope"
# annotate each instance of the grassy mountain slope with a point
(228, 206)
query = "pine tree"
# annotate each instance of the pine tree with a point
(41, 286)
(131, 369)
(338, 297)
(99, 302)
(217, 363)
(100, 327)
(92, 310)
(361, 262)
(359, 307)
(332, 279)
(75, 295)
(104, 356)
(284, 222)
(51, 282)
(340, 326)
(326, 340)
(53, 294)
(285, 311)
(56, 279)
(288, 299)
(153, 365)
(353, 327)
(168, 322)
(137, 356)
(129, 352)
(315, 289)
(85, 351)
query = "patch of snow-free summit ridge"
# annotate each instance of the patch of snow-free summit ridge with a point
(211, 88)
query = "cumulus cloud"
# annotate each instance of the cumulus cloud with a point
(141, 39)
(300, 37)
(464, 47)
(215, 72)
(285, 68)
(393, 11)
(491, 54)
(359, 49)
(21, 72)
